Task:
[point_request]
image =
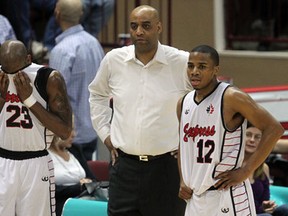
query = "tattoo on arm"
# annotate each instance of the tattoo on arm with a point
(62, 107)
(58, 99)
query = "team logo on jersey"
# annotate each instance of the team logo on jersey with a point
(225, 210)
(12, 97)
(187, 111)
(197, 131)
(210, 109)
(45, 178)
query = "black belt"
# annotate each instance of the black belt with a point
(21, 155)
(212, 188)
(144, 158)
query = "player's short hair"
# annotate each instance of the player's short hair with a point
(209, 50)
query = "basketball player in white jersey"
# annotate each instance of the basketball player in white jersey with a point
(212, 129)
(32, 99)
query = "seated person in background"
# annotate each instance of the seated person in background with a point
(70, 169)
(260, 180)
(278, 162)
(281, 147)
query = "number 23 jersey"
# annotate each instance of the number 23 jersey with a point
(20, 130)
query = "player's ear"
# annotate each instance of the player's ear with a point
(216, 69)
(159, 27)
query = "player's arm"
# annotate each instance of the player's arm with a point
(59, 117)
(100, 98)
(238, 103)
(4, 82)
(241, 103)
(184, 191)
(2, 102)
(178, 111)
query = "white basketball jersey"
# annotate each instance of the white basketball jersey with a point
(20, 130)
(207, 146)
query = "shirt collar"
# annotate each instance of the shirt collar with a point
(159, 55)
(69, 31)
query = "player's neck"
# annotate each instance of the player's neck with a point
(203, 92)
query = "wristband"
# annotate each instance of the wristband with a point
(30, 101)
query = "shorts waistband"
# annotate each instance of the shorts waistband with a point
(22, 155)
(145, 158)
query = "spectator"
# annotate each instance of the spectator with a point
(7, 32)
(145, 81)
(281, 147)
(260, 178)
(77, 55)
(96, 14)
(278, 163)
(20, 15)
(23, 14)
(70, 168)
(26, 92)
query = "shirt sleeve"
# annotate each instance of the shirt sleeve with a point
(187, 83)
(100, 95)
(8, 29)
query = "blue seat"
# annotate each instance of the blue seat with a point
(77, 207)
(279, 194)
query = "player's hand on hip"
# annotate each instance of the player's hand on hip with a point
(4, 82)
(175, 153)
(185, 192)
(230, 178)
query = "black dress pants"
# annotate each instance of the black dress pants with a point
(145, 188)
